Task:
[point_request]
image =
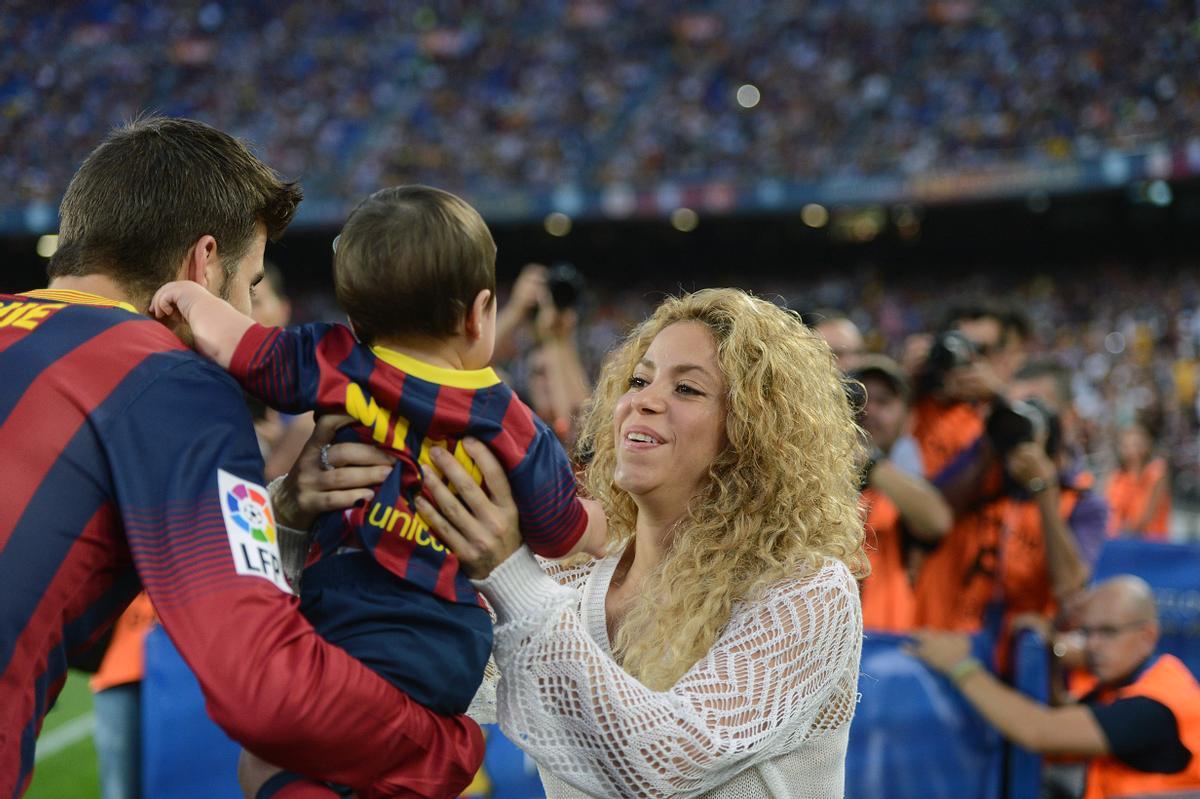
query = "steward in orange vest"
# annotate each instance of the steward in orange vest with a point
(1139, 730)
(1167, 696)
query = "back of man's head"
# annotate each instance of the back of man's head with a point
(152, 189)
(410, 260)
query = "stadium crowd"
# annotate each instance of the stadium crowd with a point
(484, 97)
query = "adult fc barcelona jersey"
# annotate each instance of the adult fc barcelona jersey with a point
(124, 455)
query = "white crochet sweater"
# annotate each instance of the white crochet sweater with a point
(765, 714)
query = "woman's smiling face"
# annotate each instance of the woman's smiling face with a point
(670, 423)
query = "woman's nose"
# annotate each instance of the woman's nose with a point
(649, 400)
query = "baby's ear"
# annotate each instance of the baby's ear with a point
(477, 315)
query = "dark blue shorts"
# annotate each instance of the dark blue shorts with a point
(433, 650)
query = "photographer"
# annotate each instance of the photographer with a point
(1011, 552)
(905, 514)
(969, 365)
(555, 382)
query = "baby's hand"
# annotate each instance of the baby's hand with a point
(179, 297)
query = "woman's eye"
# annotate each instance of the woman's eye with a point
(684, 388)
(637, 382)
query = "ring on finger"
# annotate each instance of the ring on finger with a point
(325, 464)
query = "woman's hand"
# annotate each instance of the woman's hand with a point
(481, 530)
(347, 474)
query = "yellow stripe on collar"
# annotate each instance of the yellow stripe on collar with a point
(76, 298)
(454, 378)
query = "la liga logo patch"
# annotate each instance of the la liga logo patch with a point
(250, 526)
(251, 510)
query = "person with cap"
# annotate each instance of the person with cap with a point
(905, 513)
(1138, 727)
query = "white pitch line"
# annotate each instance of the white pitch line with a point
(64, 736)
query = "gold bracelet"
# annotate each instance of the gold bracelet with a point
(964, 668)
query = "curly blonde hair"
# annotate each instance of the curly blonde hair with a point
(779, 499)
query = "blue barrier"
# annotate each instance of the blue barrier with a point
(1031, 676)
(184, 754)
(914, 736)
(1173, 571)
(508, 773)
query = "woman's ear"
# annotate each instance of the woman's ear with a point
(477, 314)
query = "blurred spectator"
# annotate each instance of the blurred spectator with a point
(846, 341)
(841, 334)
(1139, 727)
(117, 703)
(904, 512)
(281, 436)
(1139, 490)
(1088, 516)
(541, 339)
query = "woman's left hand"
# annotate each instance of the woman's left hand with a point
(481, 530)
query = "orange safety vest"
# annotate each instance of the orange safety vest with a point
(944, 430)
(1167, 681)
(888, 602)
(124, 662)
(1128, 495)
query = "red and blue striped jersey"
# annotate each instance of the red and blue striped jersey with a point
(129, 461)
(407, 406)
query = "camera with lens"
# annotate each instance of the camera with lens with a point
(1014, 423)
(566, 285)
(950, 350)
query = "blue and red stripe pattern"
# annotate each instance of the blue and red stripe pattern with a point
(407, 406)
(112, 435)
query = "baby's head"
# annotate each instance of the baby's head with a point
(416, 262)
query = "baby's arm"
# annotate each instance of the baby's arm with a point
(594, 540)
(216, 326)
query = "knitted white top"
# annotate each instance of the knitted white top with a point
(765, 714)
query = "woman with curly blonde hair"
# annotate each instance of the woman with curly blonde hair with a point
(715, 650)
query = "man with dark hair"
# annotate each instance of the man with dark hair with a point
(970, 365)
(131, 462)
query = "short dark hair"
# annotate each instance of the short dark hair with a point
(411, 260)
(1013, 323)
(972, 312)
(155, 186)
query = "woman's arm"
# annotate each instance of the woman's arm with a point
(785, 669)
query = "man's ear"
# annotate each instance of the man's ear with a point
(477, 315)
(202, 264)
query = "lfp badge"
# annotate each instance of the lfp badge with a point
(250, 525)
